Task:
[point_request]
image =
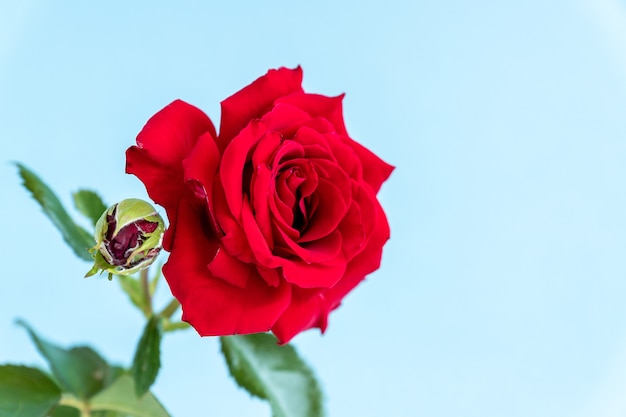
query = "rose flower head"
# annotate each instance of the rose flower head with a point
(273, 220)
(128, 238)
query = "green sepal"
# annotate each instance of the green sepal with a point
(100, 265)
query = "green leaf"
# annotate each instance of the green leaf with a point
(79, 370)
(120, 397)
(114, 373)
(275, 373)
(90, 204)
(26, 392)
(107, 414)
(132, 288)
(65, 411)
(75, 236)
(147, 359)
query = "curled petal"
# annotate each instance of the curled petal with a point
(233, 163)
(331, 209)
(375, 170)
(307, 309)
(200, 169)
(256, 99)
(171, 134)
(233, 238)
(314, 275)
(256, 240)
(364, 263)
(316, 105)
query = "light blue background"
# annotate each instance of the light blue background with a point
(502, 290)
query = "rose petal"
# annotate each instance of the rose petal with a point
(160, 184)
(201, 167)
(282, 214)
(345, 156)
(364, 263)
(256, 99)
(211, 305)
(352, 232)
(256, 240)
(266, 149)
(318, 251)
(288, 150)
(271, 276)
(233, 162)
(233, 238)
(285, 119)
(307, 309)
(331, 209)
(314, 275)
(314, 143)
(170, 134)
(261, 190)
(230, 269)
(317, 105)
(163, 183)
(216, 308)
(161, 146)
(286, 188)
(375, 170)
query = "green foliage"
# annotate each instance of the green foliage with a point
(107, 414)
(79, 370)
(90, 204)
(82, 381)
(65, 411)
(147, 360)
(120, 397)
(275, 373)
(26, 392)
(75, 236)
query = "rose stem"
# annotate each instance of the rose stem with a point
(143, 277)
(170, 309)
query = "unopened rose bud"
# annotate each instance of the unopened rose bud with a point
(128, 238)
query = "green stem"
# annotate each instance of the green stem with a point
(71, 401)
(145, 285)
(170, 309)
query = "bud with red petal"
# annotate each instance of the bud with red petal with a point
(128, 238)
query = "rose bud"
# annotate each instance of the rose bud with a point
(128, 238)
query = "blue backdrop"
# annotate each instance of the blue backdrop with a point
(502, 289)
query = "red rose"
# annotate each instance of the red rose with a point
(274, 220)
